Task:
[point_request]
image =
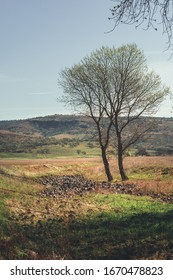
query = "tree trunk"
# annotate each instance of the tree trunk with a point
(120, 161)
(106, 165)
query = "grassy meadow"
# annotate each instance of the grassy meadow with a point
(96, 225)
(66, 149)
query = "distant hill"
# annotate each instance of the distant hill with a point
(47, 126)
(19, 136)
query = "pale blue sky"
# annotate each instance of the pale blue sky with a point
(41, 37)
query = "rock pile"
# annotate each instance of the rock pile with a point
(119, 188)
(77, 184)
(65, 185)
(136, 190)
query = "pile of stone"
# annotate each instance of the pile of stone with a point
(168, 198)
(119, 187)
(65, 185)
(77, 184)
(130, 188)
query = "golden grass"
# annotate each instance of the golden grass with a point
(62, 136)
(161, 161)
(72, 224)
(151, 173)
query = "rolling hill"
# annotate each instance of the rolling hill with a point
(44, 134)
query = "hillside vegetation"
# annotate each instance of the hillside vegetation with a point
(69, 135)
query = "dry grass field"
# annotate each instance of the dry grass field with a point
(76, 226)
(152, 173)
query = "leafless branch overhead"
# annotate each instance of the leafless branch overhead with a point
(146, 13)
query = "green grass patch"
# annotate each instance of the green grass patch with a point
(108, 227)
(55, 151)
(92, 226)
(150, 173)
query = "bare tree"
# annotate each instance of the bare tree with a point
(82, 91)
(150, 13)
(116, 89)
(132, 92)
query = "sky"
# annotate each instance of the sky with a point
(39, 38)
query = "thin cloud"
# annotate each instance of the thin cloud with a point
(41, 93)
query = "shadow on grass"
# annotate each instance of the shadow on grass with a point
(101, 236)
